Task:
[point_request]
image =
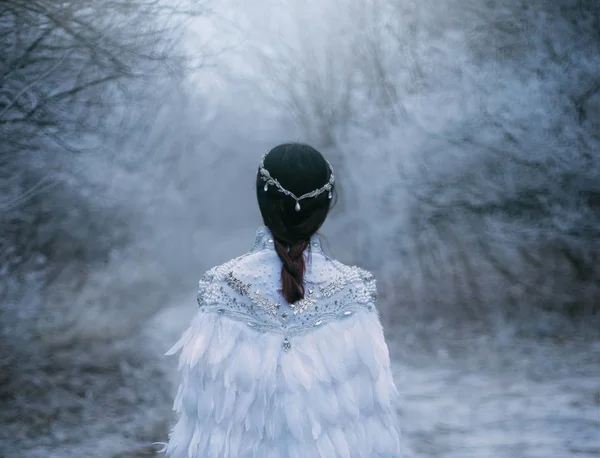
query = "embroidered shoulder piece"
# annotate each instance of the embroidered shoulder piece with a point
(370, 283)
(349, 289)
(212, 290)
(237, 285)
(205, 294)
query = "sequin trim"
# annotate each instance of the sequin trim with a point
(334, 287)
(236, 284)
(264, 303)
(348, 290)
(244, 289)
(258, 325)
(303, 304)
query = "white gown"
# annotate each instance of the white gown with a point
(263, 379)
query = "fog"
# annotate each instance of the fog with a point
(465, 136)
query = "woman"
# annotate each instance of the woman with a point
(286, 356)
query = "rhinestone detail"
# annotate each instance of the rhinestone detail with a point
(245, 289)
(334, 287)
(237, 285)
(303, 304)
(264, 303)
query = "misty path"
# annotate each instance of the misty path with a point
(450, 412)
(466, 140)
(462, 415)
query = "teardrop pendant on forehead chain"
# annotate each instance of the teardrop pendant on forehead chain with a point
(266, 176)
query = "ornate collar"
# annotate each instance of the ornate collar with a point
(264, 240)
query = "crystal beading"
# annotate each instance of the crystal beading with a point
(236, 284)
(264, 303)
(245, 289)
(270, 181)
(333, 287)
(309, 300)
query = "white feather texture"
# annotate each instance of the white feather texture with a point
(245, 394)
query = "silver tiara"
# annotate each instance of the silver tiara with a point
(270, 181)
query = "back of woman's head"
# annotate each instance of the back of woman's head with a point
(289, 172)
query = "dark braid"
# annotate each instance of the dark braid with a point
(292, 270)
(300, 169)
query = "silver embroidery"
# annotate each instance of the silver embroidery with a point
(303, 304)
(237, 285)
(337, 292)
(334, 287)
(208, 276)
(286, 344)
(244, 289)
(365, 274)
(204, 287)
(264, 303)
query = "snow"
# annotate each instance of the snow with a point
(468, 181)
(523, 398)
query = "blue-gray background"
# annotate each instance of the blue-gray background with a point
(465, 135)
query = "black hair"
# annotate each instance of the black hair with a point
(300, 169)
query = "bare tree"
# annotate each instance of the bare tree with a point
(66, 65)
(72, 74)
(78, 82)
(525, 172)
(475, 126)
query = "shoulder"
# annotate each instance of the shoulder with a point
(237, 275)
(354, 273)
(247, 288)
(353, 279)
(259, 268)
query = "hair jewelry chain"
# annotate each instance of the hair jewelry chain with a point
(270, 181)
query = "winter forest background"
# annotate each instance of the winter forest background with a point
(466, 138)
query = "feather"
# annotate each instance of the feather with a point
(295, 415)
(382, 391)
(205, 403)
(180, 343)
(243, 396)
(326, 447)
(216, 444)
(193, 447)
(315, 427)
(196, 351)
(177, 404)
(335, 364)
(294, 371)
(339, 442)
(360, 385)
(348, 398)
(313, 359)
(228, 404)
(366, 352)
(226, 334)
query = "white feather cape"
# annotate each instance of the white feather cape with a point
(329, 393)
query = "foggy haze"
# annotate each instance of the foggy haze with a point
(465, 136)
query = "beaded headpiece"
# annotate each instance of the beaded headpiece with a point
(270, 181)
